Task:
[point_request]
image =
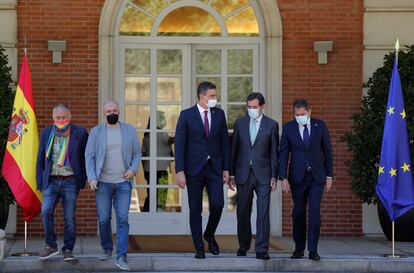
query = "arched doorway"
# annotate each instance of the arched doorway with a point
(158, 52)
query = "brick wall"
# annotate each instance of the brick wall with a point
(73, 82)
(334, 90)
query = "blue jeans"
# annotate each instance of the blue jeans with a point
(120, 195)
(67, 190)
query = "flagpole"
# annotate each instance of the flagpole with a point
(25, 253)
(393, 240)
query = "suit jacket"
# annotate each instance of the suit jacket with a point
(192, 147)
(77, 144)
(263, 153)
(96, 150)
(318, 154)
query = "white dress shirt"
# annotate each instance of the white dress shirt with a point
(302, 128)
(258, 121)
(202, 110)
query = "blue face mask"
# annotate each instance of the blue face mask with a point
(253, 113)
(302, 120)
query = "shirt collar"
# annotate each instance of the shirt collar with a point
(201, 109)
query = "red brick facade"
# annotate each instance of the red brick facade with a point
(333, 90)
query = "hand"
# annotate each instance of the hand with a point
(181, 182)
(285, 186)
(225, 177)
(328, 184)
(129, 174)
(93, 185)
(232, 184)
(273, 184)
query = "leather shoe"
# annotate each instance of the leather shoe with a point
(313, 255)
(212, 245)
(200, 254)
(297, 254)
(262, 255)
(241, 252)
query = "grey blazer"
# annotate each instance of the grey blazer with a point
(263, 153)
(96, 149)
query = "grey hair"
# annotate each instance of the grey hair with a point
(61, 107)
(110, 102)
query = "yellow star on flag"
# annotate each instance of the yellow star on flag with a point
(405, 167)
(393, 172)
(390, 110)
(403, 115)
(380, 170)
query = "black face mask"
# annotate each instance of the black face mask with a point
(112, 118)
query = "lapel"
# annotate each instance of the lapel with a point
(314, 129)
(297, 135)
(260, 130)
(73, 137)
(214, 121)
(246, 128)
(198, 119)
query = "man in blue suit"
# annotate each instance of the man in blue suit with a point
(306, 141)
(202, 160)
(60, 174)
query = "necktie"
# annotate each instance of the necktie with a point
(253, 131)
(306, 135)
(206, 125)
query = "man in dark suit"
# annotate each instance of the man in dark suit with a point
(202, 160)
(254, 164)
(306, 141)
(60, 174)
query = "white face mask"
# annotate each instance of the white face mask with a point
(212, 103)
(302, 120)
(253, 113)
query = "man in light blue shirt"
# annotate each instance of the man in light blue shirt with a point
(112, 156)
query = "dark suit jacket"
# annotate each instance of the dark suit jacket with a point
(263, 154)
(77, 144)
(192, 146)
(318, 154)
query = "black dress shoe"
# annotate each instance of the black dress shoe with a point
(313, 255)
(241, 252)
(297, 254)
(262, 255)
(212, 245)
(200, 254)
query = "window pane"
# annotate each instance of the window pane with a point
(240, 61)
(243, 23)
(165, 143)
(189, 21)
(239, 88)
(169, 89)
(215, 80)
(234, 112)
(137, 61)
(168, 200)
(231, 200)
(137, 89)
(224, 7)
(167, 116)
(169, 61)
(153, 6)
(208, 61)
(140, 200)
(145, 139)
(165, 172)
(137, 115)
(134, 22)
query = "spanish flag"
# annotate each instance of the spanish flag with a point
(19, 164)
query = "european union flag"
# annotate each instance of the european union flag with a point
(395, 186)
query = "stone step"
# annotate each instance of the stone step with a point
(225, 263)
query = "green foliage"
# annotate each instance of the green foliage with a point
(365, 140)
(6, 106)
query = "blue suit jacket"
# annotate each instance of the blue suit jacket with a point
(77, 144)
(192, 147)
(318, 154)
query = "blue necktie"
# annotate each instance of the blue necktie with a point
(253, 131)
(306, 135)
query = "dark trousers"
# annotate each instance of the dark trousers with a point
(308, 191)
(195, 186)
(244, 199)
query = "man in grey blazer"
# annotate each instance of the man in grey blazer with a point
(254, 168)
(112, 156)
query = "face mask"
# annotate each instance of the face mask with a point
(61, 124)
(253, 113)
(112, 118)
(302, 120)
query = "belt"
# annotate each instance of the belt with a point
(61, 177)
